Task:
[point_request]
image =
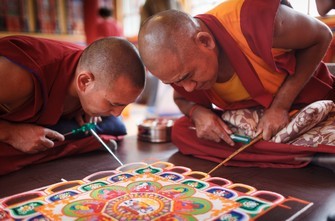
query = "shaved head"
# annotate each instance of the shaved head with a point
(109, 76)
(168, 32)
(113, 57)
(180, 50)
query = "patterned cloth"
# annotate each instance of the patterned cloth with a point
(313, 125)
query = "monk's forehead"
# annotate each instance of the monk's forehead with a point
(169, 69)
(165, 57)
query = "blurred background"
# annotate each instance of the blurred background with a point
(71, 19)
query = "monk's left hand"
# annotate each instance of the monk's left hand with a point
(272, 122)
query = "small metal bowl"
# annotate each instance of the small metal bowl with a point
(155, 130)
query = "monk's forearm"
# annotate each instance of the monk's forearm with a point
(185, 106)
(307, 61)
(310, 47)
(288, 92)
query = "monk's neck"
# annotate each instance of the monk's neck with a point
(71, 105)
(71, 102)
(226, 70)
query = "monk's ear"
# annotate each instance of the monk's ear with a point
(85, 81)
(205, 39)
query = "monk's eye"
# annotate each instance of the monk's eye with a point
(183, 78)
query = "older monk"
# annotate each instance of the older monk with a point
(240, 54)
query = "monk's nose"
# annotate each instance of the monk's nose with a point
(116, 111)
(189, 86)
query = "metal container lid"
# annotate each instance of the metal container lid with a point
(155, 130)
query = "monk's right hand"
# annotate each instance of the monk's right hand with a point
(32, 139)
(209, 126)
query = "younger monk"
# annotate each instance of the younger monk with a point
(241, 54)
(51, 84)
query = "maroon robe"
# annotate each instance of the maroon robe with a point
(254, 14)
(52, 65)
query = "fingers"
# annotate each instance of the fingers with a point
(272, 121)
(264, 130)
(47, 141)
(216, 133)
(95, 120)
(53, 135)
(267, 134)
(224, 133)
(47, 144)
(226, 138)
(33, 139)
(83, 118)
(267, 130)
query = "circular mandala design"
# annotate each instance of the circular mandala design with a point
(138, 206)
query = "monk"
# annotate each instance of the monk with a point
(240, 54)
(50, 87)
(107, 25)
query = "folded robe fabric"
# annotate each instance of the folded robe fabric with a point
(261, 154)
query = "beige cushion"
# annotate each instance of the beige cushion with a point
(313, 125)
(306, 119)
(323, 133)
(243, 121)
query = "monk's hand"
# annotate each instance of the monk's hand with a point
(32, 139)
(209, 126)
(95, 120)
(272, 122)
(83, 118)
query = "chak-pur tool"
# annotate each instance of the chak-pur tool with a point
(250, 143)
(90, 127)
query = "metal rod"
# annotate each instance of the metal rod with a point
(258, 138)
(105, 146)
(67, 134)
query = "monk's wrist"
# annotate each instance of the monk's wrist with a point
(192, 109)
